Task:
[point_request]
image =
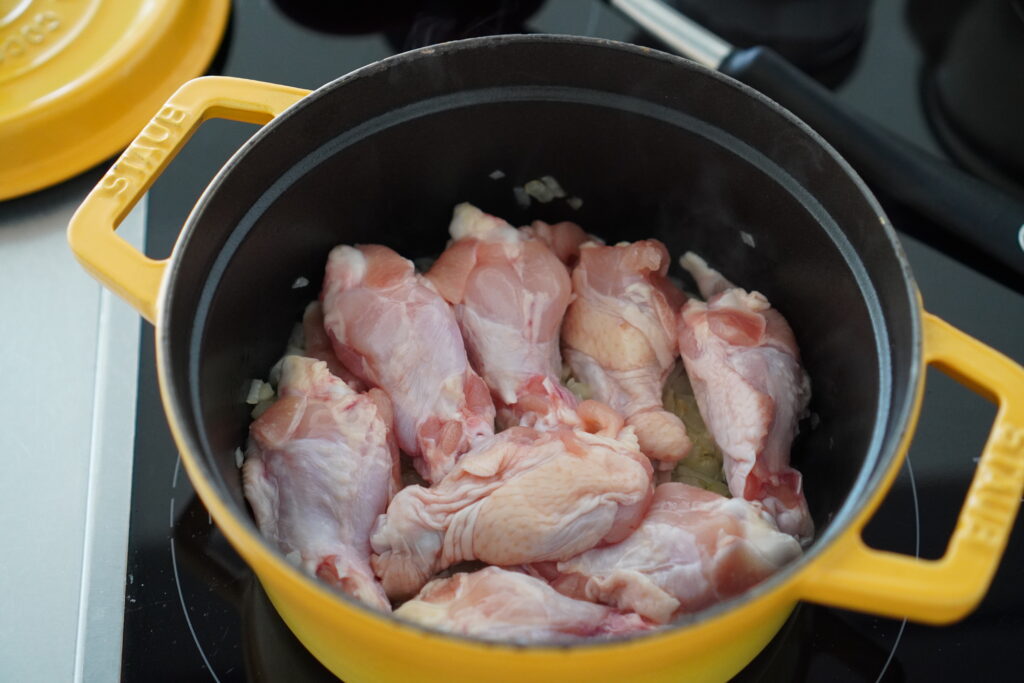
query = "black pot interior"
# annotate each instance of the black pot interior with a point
(654, 146)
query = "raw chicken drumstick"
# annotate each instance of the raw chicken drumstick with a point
(744, 364)
(509, 293)
(321, 466)
(498, 604)
(318, 345)
(523, 496)
(693, 549)
(564, 239)
(619, 338)
(391, 328)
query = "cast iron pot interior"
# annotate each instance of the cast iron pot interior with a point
(655, 147)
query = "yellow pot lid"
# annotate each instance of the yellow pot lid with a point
(80, 78)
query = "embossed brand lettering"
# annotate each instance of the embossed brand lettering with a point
(155, 133)
(1010, 438)
(48, 21)
(33, 34)
(114, 184)
(995, 496)
(173, 115)
(147, 152)
(986, 511)
(141, 157)
(982, 534)
(19, 39)
(12, 48)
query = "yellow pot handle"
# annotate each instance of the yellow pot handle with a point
(853, 576)
(110, 259)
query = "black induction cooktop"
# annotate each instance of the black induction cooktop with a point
(194, 611)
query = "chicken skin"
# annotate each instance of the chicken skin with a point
(509, 293)
(523, 496)
(564, 239)
(693, 549)
(507, 606)
(744, 365)
(619, 338)
(320, 468)
(391, 329)
(318, 345)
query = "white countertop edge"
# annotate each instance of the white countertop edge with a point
(105, 551)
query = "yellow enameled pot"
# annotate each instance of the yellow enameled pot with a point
(655, 146)
(79, 77)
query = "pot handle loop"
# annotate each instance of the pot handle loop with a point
(853, 576)
(118, 265)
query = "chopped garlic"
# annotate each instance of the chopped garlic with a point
(255, 389)
(581, 390)
(553, 186)
(261, 408)
(522, 198)
(539, 190)
(703, 467)
(261, 394)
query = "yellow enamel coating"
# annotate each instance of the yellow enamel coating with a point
(855, 576)
(79, 77)
(362, 646)
(119, 266)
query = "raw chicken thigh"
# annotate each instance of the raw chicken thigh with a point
(498, 604)
(509, 293)
(392, 329)
(693, 549)
(320, 468)
(523, 496)
(619, 338)
(742, 359)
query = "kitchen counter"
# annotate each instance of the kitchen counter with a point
(68, 359)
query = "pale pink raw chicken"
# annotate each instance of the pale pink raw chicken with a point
(619, 338)
(319, 469)
(497, 604)
(564, 239)
(509, 292)
(523, 496)
(391, 328)
(318, 345)
(693, 549)
(744, 365)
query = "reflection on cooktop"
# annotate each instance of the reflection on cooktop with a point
(409, 24)
(971, 86)
(822, 37)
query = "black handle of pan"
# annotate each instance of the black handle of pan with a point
(976, 214)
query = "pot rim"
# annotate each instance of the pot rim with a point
(865, 491)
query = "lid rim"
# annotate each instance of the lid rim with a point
(92, 117)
